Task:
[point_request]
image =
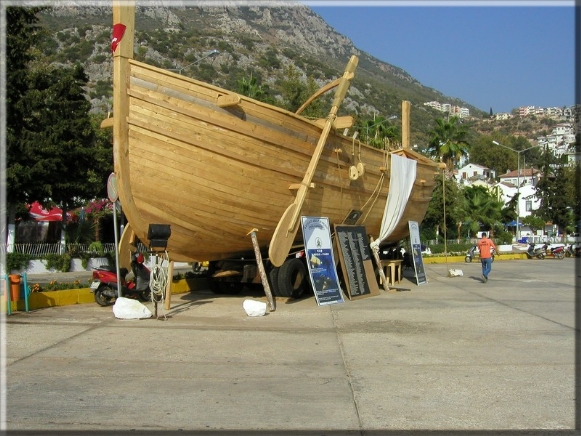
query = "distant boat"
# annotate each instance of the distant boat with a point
(214, 164)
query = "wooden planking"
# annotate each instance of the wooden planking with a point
(231, 186)
(239, 152)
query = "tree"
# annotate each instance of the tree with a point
(377, 132)
(545, 189)
(482, 206)
(22, 35)
(454, 207)
(61, 139)
(448, 141)
(292, 89)
(53, 155)
(251, 88)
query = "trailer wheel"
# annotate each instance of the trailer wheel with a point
(273, 280)
(292, 279)
(221, 287)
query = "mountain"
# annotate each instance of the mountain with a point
(253, 40)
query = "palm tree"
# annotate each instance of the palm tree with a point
(377, 132)
(482, 206)
(448, 141)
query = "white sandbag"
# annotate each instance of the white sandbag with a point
(455, 273)
(127, 308)
(254, 308)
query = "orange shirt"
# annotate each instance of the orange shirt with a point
(484, 245)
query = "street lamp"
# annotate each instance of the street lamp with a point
(518, 152)
(213, 52)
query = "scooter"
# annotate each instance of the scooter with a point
(104, 286)
(539, 252)
(471, 254)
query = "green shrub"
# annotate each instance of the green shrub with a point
(59, 262)
(17, 261)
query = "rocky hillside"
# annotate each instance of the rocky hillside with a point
(257, 41)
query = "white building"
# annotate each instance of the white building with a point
(475, 172)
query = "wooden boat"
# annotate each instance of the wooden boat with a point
(215, 165)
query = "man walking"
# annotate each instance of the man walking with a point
(485, 246)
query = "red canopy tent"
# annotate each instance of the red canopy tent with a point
(40, 214)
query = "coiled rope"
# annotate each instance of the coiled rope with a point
(159, 279)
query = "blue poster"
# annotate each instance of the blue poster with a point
(320, 260)
(417, 252)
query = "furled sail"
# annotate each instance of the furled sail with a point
(402, 177)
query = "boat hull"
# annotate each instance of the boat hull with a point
(215, 165)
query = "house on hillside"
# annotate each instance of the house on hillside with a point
(528, 200)
(473, 172)
(527, 176)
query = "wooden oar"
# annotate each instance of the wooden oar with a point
(287, 227)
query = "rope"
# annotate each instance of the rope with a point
(158, 281)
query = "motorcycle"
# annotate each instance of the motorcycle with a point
(557, 252)
(104, 285)
(471, 254)
(572, 250)
(539, 252)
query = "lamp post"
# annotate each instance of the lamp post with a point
(207, 55)
(518, 152)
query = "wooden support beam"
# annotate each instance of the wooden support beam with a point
(339, 123)
(167, 301)
(261, 270)
(107, 122)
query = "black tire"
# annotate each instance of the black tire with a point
(467, 259)
(145, 295)
(541, 256)
(221, 287)
(293, 280)
(100, 298)
(560, 255)
(273, 280)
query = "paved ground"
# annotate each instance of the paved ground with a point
(452, 354)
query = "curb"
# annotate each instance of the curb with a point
(67, 297)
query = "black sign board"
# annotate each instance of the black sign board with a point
(356, 262)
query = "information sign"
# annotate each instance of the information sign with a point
(320, 260)
(356, 262)
(417, 252)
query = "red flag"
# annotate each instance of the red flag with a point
(118, 31)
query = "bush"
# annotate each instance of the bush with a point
(17, 261)
(59, 262)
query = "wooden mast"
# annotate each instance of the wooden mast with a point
(405, 124)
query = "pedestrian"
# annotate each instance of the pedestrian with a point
(485, 246)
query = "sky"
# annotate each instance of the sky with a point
(490, 54)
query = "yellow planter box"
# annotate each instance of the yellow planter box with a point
(40, 300)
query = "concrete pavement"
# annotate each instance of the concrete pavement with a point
(452, 354)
